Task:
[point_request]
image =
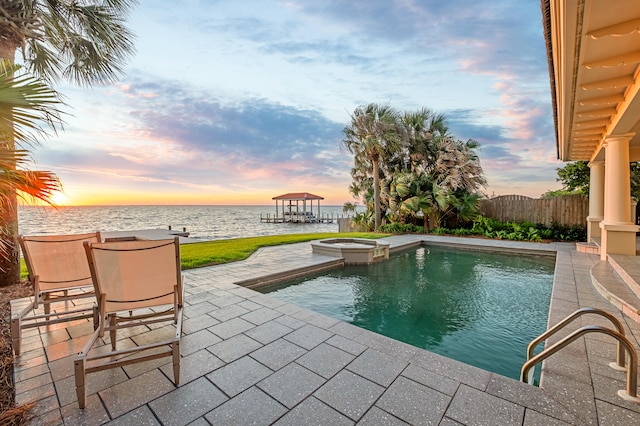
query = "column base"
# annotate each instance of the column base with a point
(593, 227)
(618, 238)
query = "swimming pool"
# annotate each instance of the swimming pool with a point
(481, 308)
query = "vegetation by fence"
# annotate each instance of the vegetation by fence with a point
(565, 210)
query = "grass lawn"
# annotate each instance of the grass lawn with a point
(197, 255)
(207, 253)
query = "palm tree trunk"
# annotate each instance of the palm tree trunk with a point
(376, 194)
(10, 260)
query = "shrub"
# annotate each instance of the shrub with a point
(462, 232)
(401, 228)
(568, 233)
(440, 231)
(527, 231)
(490, 228)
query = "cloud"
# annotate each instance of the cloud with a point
(186, 136)
(253, 94)
(253, 130)
(522, 138)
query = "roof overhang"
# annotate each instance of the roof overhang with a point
(298, 196)
(593, 49)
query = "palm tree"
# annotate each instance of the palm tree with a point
(457, 166)
(349, 207)
(422, 195)
(374, 133)
(423, 128)
(85, 42)
(420, 167)
(25, 102)
(441, 174)
(82, 41)
(453, 181)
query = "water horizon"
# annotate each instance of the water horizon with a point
(206, 222)
(162, 205)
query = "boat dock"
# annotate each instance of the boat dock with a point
(298, 218)
(297, 207)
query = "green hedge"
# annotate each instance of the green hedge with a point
(490, 228)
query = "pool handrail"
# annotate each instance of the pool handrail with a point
(620, 361)
(628, 394)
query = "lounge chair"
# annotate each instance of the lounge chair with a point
(137, 283)
(60, 277)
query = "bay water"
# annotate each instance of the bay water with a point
(202, 222)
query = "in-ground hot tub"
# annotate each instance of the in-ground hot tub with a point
(355, 251)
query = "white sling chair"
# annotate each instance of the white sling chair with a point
(137, 283)
(60, 277)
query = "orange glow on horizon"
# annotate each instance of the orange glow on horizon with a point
(59, 198)
(111, 197)
(118, 197)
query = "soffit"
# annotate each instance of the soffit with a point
(596, 58)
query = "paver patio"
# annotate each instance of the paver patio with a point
(248, 358)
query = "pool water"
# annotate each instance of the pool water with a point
(481, 308)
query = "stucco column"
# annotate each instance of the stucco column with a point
(618, 232)
(596, 199)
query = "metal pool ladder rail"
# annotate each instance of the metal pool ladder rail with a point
(630, 393)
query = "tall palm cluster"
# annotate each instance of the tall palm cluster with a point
(83, 41)
(408, 165)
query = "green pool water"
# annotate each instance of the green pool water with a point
(481, 308)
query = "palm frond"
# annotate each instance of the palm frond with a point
(29, 184)
(86, 42)
(25, 103)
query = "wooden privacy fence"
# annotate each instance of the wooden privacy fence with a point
(564, 210)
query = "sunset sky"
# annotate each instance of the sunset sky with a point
(235, 102)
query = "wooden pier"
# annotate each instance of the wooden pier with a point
(298, 218)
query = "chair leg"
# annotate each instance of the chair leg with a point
(47, 305)
(96, 317)
(16, 334)
(80, 382)
(112, 331)
(175, 346)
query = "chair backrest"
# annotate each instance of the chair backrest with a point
(59, 261)
(136, 274)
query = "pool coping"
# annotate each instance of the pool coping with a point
(231, 330)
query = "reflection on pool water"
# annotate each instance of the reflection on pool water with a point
(481, 308)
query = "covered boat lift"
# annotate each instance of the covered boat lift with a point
(289, 211)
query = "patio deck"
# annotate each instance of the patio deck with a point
(248, 358)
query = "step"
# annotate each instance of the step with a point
(613, 288)
(628, 267)
(589, 248)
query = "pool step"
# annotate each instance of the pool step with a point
(613, 287)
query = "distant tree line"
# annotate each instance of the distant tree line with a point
(409, 167)
(575, 178)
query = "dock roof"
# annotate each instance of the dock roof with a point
(298, 196)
